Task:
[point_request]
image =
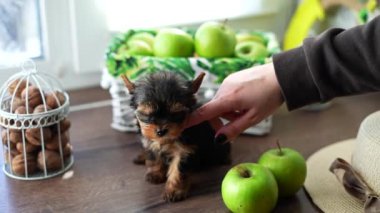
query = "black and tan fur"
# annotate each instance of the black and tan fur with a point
(162, 102)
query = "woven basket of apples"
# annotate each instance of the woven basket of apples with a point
(214, 48)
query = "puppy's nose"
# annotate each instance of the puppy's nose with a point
(161, 132)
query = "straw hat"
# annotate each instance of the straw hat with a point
(345, 176)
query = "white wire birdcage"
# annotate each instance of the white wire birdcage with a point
(35, 129)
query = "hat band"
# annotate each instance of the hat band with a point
(355, 185)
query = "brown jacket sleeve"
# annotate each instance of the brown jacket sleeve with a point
(336, 63)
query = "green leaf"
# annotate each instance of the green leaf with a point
(203, 65)
(224, 67)
(111, 67)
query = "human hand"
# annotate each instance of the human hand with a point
(244, 98)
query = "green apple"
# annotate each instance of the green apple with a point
(251, 50)
(143, 36)
(288, 167)
(173, 42)
(214, 39)
(139, 48)
(249, 187)
(242, 37)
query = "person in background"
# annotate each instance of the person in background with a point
(336, 63)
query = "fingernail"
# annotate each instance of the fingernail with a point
(221, 138)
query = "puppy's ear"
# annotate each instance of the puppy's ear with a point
(130, 86)
(197, 82)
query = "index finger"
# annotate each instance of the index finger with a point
(210, 110)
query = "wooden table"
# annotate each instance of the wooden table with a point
(106, 180)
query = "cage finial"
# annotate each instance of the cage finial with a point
(28, 66)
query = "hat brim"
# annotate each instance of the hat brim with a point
(323, 187)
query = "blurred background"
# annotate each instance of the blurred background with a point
(68, 38)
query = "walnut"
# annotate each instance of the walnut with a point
(16, 103)
(64, 125)
(28, 147)
(12, 87)
(6, 156)
(54, 142)
(18, 164)
(22, 110)
(52, 159)
(67, 150)
(41, 108)
(33, 135)
(11, 148)
(15, 136)
(52, 99)
(34, 96)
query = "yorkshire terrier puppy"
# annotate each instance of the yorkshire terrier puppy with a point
(162, 102)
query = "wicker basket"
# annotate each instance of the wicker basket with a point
(35, 128)
(135, 66)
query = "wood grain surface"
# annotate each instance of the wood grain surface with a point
(106, 180)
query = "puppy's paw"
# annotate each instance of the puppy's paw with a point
(140, 159)
(174, 195)
(155, 177)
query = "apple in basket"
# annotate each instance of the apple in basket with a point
(245, 36)
(288, 167)
(137, 47)
(251, 50)
(140, 44)
(144, 37)
(249, 187)
(173, 42)
(215, 39)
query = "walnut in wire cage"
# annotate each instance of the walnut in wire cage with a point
(35, 128)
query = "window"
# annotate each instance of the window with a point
(20, 31)
(48, 35)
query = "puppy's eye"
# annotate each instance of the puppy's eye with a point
(144, 118)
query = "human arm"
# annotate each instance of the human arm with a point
(337, 63)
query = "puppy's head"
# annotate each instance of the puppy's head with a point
(162, 101)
